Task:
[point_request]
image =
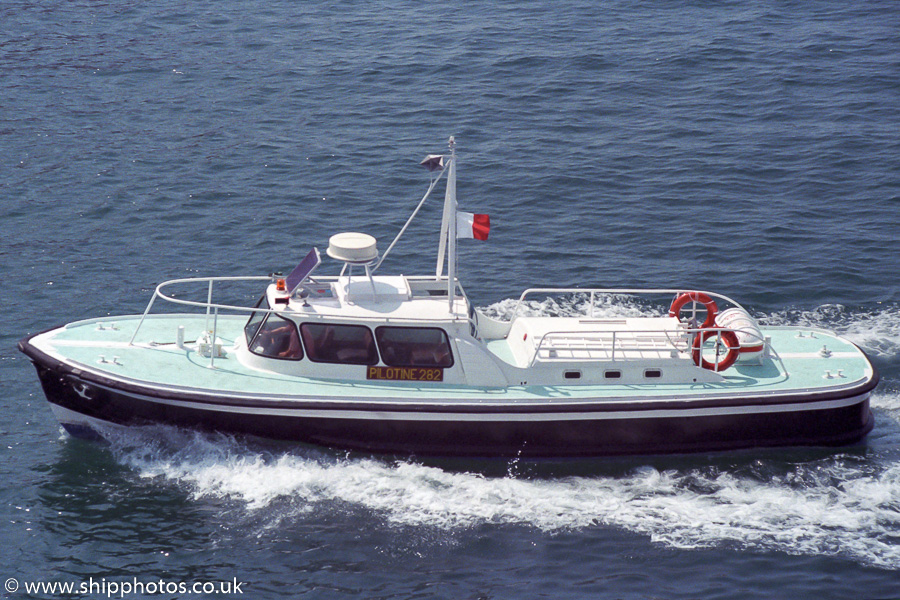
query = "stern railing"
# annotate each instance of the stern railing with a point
(614, 344)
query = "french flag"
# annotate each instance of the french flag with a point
(469, 225)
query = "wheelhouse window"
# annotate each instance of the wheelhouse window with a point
(414, 347)
(256, 319)
(277, 337)
(340, 344)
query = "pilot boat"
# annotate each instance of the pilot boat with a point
(407, 365)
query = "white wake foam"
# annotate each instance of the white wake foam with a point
(605, 306)
(876, 330)
(839, 505)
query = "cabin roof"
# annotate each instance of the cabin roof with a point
(388, 298)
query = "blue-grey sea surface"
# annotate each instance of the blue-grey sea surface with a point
(745, 147)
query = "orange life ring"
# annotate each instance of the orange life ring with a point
(699, 297)
(730, 341)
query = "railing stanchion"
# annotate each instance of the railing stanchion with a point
(212, 342)
(208, 304)
(144, 316)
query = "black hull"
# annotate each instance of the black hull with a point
(528, 432)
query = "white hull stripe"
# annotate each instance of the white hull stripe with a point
(391, 403)
(400, 415)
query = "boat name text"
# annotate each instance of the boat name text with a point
(405, 373)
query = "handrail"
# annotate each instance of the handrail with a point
(214, 308)
(685, 335)
(612, 342)
(208, 305)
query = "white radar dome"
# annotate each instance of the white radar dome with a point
(352, 247)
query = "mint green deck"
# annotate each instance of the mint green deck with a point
(165, 365)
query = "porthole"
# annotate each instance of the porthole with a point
(652, 373)
(613, 374)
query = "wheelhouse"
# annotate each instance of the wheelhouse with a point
(329, 339)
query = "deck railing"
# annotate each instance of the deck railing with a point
(613, 344)
(623, 344)
(212, 308)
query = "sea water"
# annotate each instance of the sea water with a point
(742, 147)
